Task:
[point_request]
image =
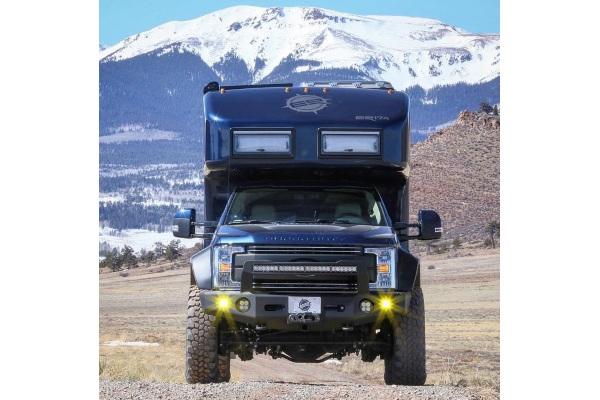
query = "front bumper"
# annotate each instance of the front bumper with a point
(271, 310)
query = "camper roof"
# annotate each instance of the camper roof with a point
(214, 86)
(286, 125)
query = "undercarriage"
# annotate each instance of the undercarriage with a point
(306, 347)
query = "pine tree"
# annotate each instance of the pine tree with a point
(486, 108)
(107, 261)
(115, 260)
(150, 256)
(173, 250)
(493, 230)
(159, 249)
(128, 257)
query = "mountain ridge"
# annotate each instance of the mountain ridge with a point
(407, 51)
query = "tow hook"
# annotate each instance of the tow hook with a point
(304, 318)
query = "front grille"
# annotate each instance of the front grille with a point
(274, 286)
(258, 249)
(289, 269)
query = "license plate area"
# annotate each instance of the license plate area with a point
(304, 304)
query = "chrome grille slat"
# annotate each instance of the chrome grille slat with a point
(293, 284)
(275, 285)
(324, 288)
(258, 249)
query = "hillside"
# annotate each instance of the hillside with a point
(457, 172)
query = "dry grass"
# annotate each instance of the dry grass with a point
(147, 308)
(462, 322)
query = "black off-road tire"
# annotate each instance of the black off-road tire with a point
(406, 363)
(203, 364)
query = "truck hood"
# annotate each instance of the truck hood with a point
(305, 234)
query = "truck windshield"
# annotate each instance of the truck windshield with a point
(306, 206)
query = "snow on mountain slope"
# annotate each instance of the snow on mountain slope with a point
(406, 51)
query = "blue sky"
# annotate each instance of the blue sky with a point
(122, 18)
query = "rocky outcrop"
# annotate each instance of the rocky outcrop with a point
(457, 172)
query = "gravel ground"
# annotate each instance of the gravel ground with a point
(122, 390)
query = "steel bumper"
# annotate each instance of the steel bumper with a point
(270, 311)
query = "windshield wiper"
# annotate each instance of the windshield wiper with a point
(333, 221)
(250, 221)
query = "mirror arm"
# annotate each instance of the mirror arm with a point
(208, 224)
(404, 225)
(202, 235)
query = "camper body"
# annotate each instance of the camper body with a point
(306, 230)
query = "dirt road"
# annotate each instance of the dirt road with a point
(263, 390)
(462, 343)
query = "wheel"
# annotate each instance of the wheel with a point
(203, 364)
(406, 363)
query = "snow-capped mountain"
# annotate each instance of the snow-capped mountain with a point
(403, 50)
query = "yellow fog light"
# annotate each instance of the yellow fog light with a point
(223, 303)
(386, 304)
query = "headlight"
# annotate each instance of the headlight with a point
(386, 267)
(223, 267)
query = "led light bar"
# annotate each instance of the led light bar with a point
(262, 142)
(350, 142)
(304, 268)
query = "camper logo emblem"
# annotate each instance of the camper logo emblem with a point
(306, 103)
(304, 305)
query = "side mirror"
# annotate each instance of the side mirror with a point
(431, 225)
(184, 223)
